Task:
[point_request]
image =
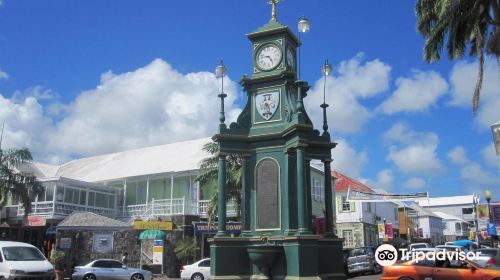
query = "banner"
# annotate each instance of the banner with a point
(482, 216)
(390, 230)
(158, 252)
(381, 230)
(354, 195)
(35, 221)
(168, 225)
(204, 228)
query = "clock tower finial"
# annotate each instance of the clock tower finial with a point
(273, 12)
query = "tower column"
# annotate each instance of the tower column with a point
(301, 193)
(245, 205)
(221, 203)
(328, 198)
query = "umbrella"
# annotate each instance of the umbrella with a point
(463, 242)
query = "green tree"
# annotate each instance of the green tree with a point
(15, 181)
(462, 24)
(209, 174)
(186, 249)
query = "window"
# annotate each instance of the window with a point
(368, 207)
(82, 197)
(347, 234)
(205, 263)
(60, 194)
(317, 190)
(467, 211)
(395, 214)
(115, 264)
(100, 264)
(49, 192)
(346, 206)
(68, 195)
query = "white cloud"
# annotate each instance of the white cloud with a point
(415, 93)
(38, 92)
(151, 105)
(415, 183)
(355, 80)
(3, 75)
(384, 180)
(474, 173)
(463, 81)
(347, 160)
(490, 157)
(414, 152)
(458, 155)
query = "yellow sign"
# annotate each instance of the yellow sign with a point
(153, 225)
(158, 249)
(482, 212)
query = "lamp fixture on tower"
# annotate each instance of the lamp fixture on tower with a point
(303, 26)
(220, 72)
(326, 69)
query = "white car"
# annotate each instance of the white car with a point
(105, 269)
(414, 246)
(20, 260)
(199, 270)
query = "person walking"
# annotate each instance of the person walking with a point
(124, 258)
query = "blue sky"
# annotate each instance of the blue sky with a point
(80, 78)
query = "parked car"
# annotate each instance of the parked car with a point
(104, 269)
(414, 246)
(199, 270)
(488, 256)
(430, 269)
(20, 260)
(362, 260)
(450, 247)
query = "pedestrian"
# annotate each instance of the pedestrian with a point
(124, 258)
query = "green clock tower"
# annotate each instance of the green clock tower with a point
(277, 141)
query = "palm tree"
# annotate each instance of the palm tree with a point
(186, 249)
(464, 24)
(209, 173)
(16, 182)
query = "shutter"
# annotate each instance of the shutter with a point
(339, 203)
(352, 205)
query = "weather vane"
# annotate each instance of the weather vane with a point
(273, 4)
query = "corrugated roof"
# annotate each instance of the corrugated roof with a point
(90, 220)
(446, 216)
(174, 157)
(449, 200)
(343, 182)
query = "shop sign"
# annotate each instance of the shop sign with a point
(381, 230)
(205, 228)
(390, 230)
(65, 243)
(35, 221)
(158, 252)
(158, 225)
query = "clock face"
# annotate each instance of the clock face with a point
(268, 57)
(290, 59)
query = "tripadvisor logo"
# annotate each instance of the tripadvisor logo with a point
(387, 255)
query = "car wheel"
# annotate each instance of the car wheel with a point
(137, 276)
(89, 277)
(197, 276)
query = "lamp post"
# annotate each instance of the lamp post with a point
(326, 70)
(303, 26)
(487, 196)
(495, 129)
(220, 72)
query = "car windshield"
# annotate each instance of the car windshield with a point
(19, 253)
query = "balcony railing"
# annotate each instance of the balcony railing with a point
(156, 208)
(56, 208)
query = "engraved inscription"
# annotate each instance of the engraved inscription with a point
(267, 209)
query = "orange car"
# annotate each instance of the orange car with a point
(428, 270)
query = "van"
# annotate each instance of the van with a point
(20, 260)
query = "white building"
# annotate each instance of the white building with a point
(430, 224)
(356, 221)
(454, 227)
(462, 207)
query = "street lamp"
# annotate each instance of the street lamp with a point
(303, 26)
(326, 70)
(487, 196)
(220, 72)
(495, 129)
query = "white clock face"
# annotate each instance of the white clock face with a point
(290, 59)
(268, 57)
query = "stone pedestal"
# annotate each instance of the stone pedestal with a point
(301, 257)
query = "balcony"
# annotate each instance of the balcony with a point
(156, 208)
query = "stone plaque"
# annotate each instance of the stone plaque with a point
(267, 204)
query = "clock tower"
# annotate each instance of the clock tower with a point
(277, 141)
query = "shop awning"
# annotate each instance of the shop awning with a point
(152, 234)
